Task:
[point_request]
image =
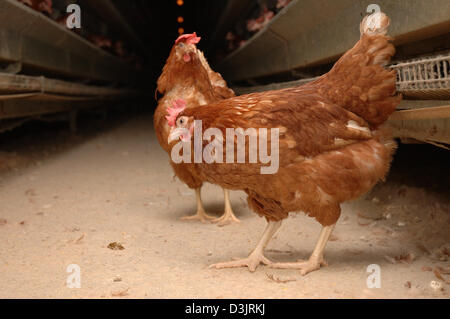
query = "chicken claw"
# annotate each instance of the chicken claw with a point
(305, 267)
(251, 262)
(201, 214)
(228, 217)
(257, 256)
(316, 260)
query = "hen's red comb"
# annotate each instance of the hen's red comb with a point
(190, 38)
(178, 107)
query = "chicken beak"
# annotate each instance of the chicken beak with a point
(175, 134)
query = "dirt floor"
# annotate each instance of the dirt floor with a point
(65, 199)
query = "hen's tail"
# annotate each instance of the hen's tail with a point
(359, 82)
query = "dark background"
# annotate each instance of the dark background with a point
(156, 23)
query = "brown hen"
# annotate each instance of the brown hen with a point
(331, 146)
(187, 79)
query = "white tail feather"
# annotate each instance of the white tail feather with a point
(375, 24)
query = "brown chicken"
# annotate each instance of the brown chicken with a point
(44, 6)
(254, 25)
(331, 146)
(188, 80)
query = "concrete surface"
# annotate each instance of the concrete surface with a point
(68, 203)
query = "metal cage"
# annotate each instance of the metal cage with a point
(424, 78)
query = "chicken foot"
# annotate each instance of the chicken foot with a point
(228, 216)
(257, 256)
(200, 214)
(316, 260)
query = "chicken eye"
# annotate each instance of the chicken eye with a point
(181, 44)
(181, 121)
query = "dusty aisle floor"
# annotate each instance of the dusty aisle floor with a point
(117, 186)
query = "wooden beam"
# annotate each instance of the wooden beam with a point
(428, 113)
(426, 130)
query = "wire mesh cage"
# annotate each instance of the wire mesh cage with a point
(425, 78)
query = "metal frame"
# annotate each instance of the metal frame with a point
(29, 37)
(16, 85)
(108, 11)
(425, 77)
(298, 38)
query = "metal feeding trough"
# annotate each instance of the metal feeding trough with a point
(424, 78)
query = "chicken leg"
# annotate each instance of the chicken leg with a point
(228, 217)
(200, 214)
(316, 260)
(257, 256)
